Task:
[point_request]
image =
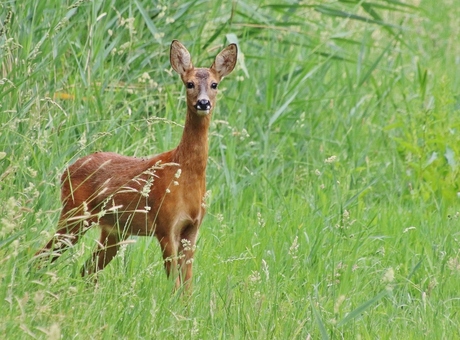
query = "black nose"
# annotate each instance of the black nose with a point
(203, 104)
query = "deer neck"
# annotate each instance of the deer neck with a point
(192, 151)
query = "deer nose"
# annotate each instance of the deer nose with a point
(203, 105)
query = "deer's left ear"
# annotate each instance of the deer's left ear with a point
(226, 60)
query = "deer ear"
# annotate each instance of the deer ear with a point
(226, 60)
(180, 58)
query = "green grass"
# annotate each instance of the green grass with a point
(333, 168)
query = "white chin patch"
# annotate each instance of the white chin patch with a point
(203, 112)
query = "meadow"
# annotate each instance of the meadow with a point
(333, 203)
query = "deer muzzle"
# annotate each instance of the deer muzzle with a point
(203, 106)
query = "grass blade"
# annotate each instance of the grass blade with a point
(150, 25)
(362, 308)
(319, 321)
(342, 14)
(374, 65)
(281, 110)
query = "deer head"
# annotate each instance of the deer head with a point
(202, 83)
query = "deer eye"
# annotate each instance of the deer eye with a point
(190, 85)
(214, 86)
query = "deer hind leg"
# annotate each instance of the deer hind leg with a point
(67, 235)
(107, 248)
(169, 247)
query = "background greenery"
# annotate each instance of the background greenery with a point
(334, 157)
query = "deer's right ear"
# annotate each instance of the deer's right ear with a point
(180, 58)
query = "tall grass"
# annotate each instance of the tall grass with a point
(334, 157)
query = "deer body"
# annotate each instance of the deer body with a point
(162, 195)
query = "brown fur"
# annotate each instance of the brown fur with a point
(132, 196)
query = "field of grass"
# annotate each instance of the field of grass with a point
(332, 175)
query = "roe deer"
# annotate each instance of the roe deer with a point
(162, 195)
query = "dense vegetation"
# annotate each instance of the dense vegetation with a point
(332, 177)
